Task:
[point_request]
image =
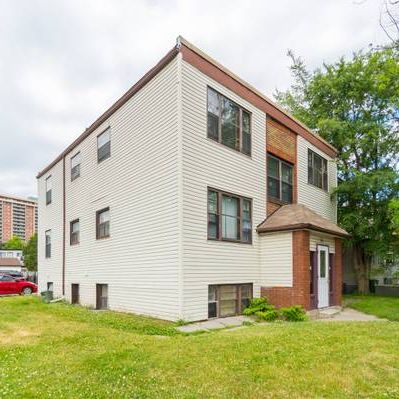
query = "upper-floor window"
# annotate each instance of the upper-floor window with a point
(317, 170)
(279, 179)
(74, 232)
(48, 243)
(228, 123)
(75, 166)
(49, 185)
(104, 145)
(102, 223)
(229, 217)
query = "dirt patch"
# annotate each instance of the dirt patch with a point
(17, 337)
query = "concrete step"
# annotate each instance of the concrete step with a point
(325, 313)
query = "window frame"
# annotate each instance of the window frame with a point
(98, 213)
(241, 109)
(324, 170)
(49, 192)
(280, 179)
(103, 158)
(74, 176)
(71, 233)
(47, 246)
(241, 199)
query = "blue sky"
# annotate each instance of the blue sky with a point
(63, 63)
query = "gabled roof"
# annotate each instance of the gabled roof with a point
(10, 262)
(213, 69)
(299, 217)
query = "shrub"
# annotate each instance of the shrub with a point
(268, 315)
(257, 305)
(293, 313)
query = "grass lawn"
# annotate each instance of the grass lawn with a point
(380, 306)
(61, 351)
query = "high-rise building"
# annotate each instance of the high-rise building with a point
(18, 217)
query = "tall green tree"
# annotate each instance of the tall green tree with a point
(14, 243)
(30, 254)
(354, 104)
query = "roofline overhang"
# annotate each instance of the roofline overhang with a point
(301, 226)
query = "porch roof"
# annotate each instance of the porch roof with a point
(299, 217)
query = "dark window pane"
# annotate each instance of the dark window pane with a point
(273, 167)
(246, 133)
(286, 173)
(212, 310)
(286, 192)
(273, 187)
(104, 152)
(213, 226)
(246, 222)
(213, 126)
(212, 202)
(322, 264)
(310, 167)
(230, 124)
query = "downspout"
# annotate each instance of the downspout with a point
(63, 225)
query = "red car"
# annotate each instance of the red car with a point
(10, 285)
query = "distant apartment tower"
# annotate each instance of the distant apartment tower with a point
(18, 217)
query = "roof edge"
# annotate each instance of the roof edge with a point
(186, 43)
(301, 226)
(162, 63)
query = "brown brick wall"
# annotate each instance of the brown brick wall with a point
(282, 143)
(7, 221)
(29, 222)
(338, 272)
(299, 294)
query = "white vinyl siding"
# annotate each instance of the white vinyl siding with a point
(313, 197)
(50, 218)
(276, 260)
(207, 163)
(139, 184)
(322, 239)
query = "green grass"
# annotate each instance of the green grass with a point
(60, 351)
(380, 306)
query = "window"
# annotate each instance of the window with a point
(74, 232)
(50, 286)
(104, 145)
(102, 223)
(317, 170)
(279, 179)
(387, 281)
(75, 166)
(48, 190)
(228, 123)
(229, 217)
(48, 243)
(102, 296)
(228, 300)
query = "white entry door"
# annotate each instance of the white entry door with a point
(323, 283)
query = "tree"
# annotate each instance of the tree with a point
(354, 104)
(389, 19)
(30, 254)
(14, 243)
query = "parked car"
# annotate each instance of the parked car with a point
(10, 285)
(13, 273)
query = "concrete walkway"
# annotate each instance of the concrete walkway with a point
(236, 321)
(351, 315)
(215, 324)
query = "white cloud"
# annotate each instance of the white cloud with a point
(63, 63)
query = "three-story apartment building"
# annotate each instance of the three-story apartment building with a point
(190, 195)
